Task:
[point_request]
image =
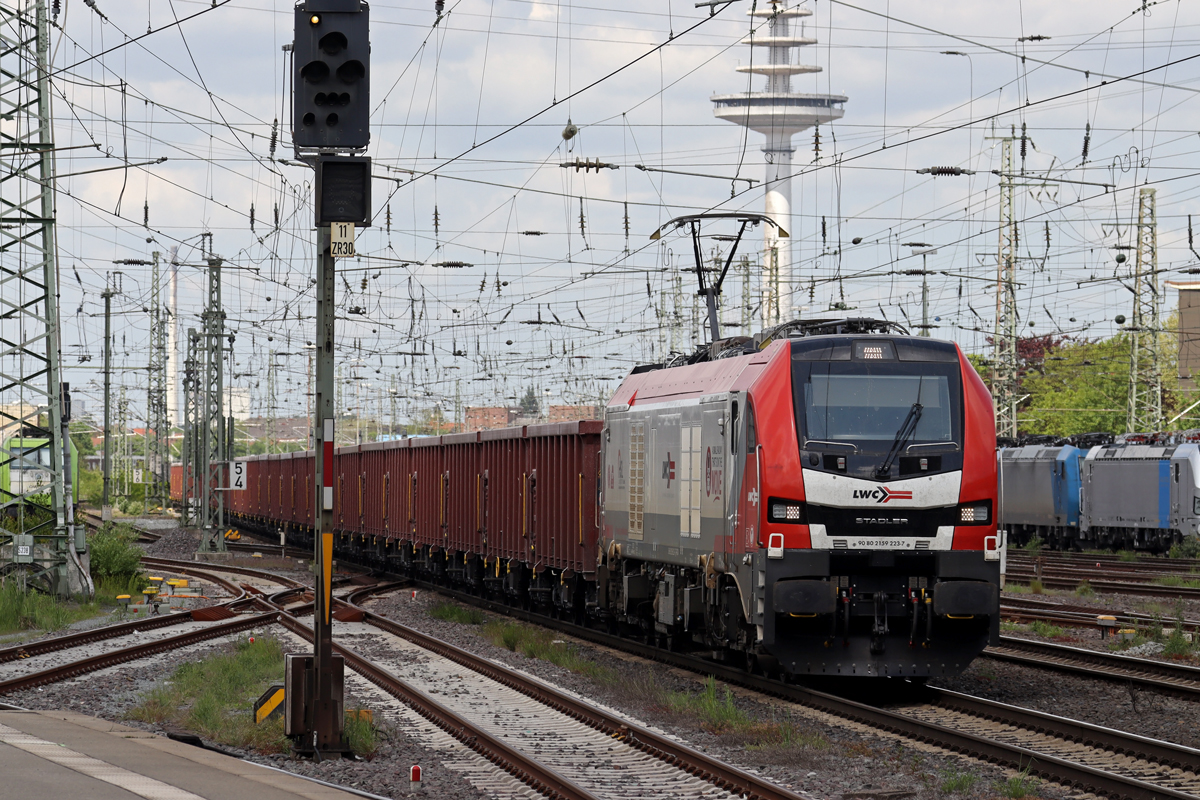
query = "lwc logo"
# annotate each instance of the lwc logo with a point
(882, 495)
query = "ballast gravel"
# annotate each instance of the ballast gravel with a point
(847, 758)
(112, 693)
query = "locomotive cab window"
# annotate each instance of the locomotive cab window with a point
(865, 407)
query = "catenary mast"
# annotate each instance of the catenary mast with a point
(778, 113)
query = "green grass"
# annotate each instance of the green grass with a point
(1035, 586)
(541, 644)
(1176, 645)
(1034, 545)
(361, 732)
(1046, 629)
(1011, 627)
(1176, 580)
(716, 712)
(214, 697)
(453, 612)
(1018, 786)
(1188, 548)
(33, 611)
(1127, 556)
(1085, 589)
(954, 781)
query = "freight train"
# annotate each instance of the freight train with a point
(1135, 492)
(816, 500)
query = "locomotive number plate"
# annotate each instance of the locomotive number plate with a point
(881, 544)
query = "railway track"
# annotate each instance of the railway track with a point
(1086, 757)
(590, 743)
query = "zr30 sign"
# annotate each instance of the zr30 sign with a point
(341, 240)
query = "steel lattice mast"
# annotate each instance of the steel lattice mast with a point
(30, 387)
(213, 429)
(1145, 374)
(1004, 345)
(157, 418)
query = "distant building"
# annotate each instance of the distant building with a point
(1189, 333)
(574, 413)
(485, 418)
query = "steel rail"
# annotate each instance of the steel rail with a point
(526, 769)
(1080, 776)
(718, 773)
(104, 660)
(1101, 586)
(1178, 679)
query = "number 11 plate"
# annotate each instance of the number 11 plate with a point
(341, 240)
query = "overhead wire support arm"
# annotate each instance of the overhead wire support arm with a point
(644, 168)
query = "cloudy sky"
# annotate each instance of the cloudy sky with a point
(563, 290)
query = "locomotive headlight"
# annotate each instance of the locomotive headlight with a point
(786, 511)
(973, 514)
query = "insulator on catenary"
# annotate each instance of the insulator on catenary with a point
(146, 214)
(1087, 142)
(252, 217)
(1024, 141)
(274, 136)
(936, 171)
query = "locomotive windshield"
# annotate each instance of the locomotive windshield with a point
(858, 403)
(866, 404)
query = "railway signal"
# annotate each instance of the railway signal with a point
(331, 102)
(332, 66)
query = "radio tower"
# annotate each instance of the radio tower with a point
(778, 113)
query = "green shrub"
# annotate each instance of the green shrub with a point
(1085, 590)
(114, 552)
(453, 612)
(1127, 556)
(1035, 586)
(1034, 545)
(1046, 629)
(361, 733)
(1188, 548)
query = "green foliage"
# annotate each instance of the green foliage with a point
(91, 486)
(1178, 580)
(1127, 556)
(529, 403)
(716, 710)
(453, 612)
(1085, 589)
(954, 781)
(28, 610)
(1188, 548)
(1035, 586)
(361, 733)
(541, 644)
(1078, 387)
(1020, 785)
(214, 697)
(1034, 545)
(81, 435)
(115, 553)
(1046, 629)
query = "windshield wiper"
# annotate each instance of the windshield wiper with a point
(907, 428)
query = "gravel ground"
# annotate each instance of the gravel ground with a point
(1114, 705)
(846, 758)
(111, 693)
(1110, 604)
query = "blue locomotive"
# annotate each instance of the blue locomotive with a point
(1127, 494)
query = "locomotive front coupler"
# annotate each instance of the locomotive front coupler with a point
(879, 628)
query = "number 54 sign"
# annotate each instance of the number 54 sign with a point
(237, 475)
(341, 239)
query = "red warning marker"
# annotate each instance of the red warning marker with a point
(414, 777)
(251, 640)
(414, 594)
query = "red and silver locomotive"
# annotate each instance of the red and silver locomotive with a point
(817, 500)
(820, 499)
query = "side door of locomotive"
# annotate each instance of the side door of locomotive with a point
(713, 458)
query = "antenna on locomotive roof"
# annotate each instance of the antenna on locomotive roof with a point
(711, 293)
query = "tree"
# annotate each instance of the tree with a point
(529, 403)
(81, 435)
